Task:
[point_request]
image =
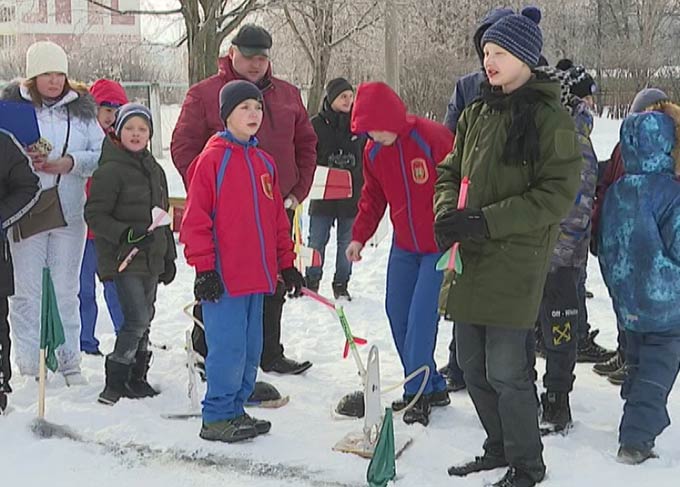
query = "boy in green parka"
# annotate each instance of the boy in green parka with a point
(128, 184)
(518, 148)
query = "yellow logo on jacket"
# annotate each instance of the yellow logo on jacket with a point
(419, 171)
(267, 185)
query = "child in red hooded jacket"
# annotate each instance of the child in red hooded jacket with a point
(109, 96)
(399, 170)
(237, 236)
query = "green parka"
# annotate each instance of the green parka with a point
(124, 189)
(523, 203)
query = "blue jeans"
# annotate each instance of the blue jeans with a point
(319, 234)
(413, 285)
(88, 300)
(653, 361)
(233, 332)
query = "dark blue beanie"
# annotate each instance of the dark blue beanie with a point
(518, 34)
(129, 110)
(236, 92)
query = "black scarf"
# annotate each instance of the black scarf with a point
(522, 143)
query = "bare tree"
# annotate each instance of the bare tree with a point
(320, 26)
(207, 23)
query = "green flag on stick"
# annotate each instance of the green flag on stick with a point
(382, 468)
(51, 329)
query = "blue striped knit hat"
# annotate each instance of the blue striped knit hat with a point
(128, 111)
(519, 34)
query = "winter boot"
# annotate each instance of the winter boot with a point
(619, 377)
(117, 383)
(261, 426)
(3, 402)
(286, 366)
(590, 352)
(419, 413)
(479, 464)
(439, 399)
(610, 366)
(138, 381)
(312, 284)
(228, 431)
(515, 478)
(453, 383)
(401, 403)
(340, 291)
(556, 416)
(634, 456)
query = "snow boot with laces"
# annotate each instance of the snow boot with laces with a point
(556, 416)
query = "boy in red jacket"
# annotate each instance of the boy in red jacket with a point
(237, 236)
(399, 170)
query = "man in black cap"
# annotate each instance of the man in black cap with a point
(286, 133)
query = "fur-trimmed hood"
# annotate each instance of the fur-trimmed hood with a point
(80, 102)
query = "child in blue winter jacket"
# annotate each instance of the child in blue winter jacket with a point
(640, 258)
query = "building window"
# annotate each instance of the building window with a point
(117, 19)
(8, 13)
(95, 14)
(63, 11)
(7, 41)
(38, 15)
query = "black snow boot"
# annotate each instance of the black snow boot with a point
(286, 366)
(3, 402)
(479, 464)
(556, 416)
(610, 366)
(138, 381)
(401, 403)
(340, 291)
(312, 284)
(619, 377)
(516, 478)
(117, 383)
(634, 456)
(590, 352)
(419, 413)
(439, 399)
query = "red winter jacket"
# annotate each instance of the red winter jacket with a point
(286, 131)
(612, 173)
(234, 199)
(401, 175)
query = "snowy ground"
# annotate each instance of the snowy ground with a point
(129, 444)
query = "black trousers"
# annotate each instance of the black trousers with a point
(559, 326)
(272, 349)
(497, 374)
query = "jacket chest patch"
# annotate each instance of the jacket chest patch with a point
(419, 171)
(267, 185)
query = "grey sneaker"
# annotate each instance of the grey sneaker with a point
(228, 431)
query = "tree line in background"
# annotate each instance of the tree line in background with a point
(626, 44)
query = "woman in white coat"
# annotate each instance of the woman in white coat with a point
(67, 119)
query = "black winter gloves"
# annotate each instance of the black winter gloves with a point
(458, 226)
(169, 273)
(294, 281)
(208, 286)
(137, 236)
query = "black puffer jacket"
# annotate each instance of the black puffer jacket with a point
(124, 190)
(19, 191)
(338, 148)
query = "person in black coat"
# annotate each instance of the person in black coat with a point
(19, 190)
(336, 148)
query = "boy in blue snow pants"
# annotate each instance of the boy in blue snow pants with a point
(237, 236)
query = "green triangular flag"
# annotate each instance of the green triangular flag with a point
(382, 468)
(51, 329)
